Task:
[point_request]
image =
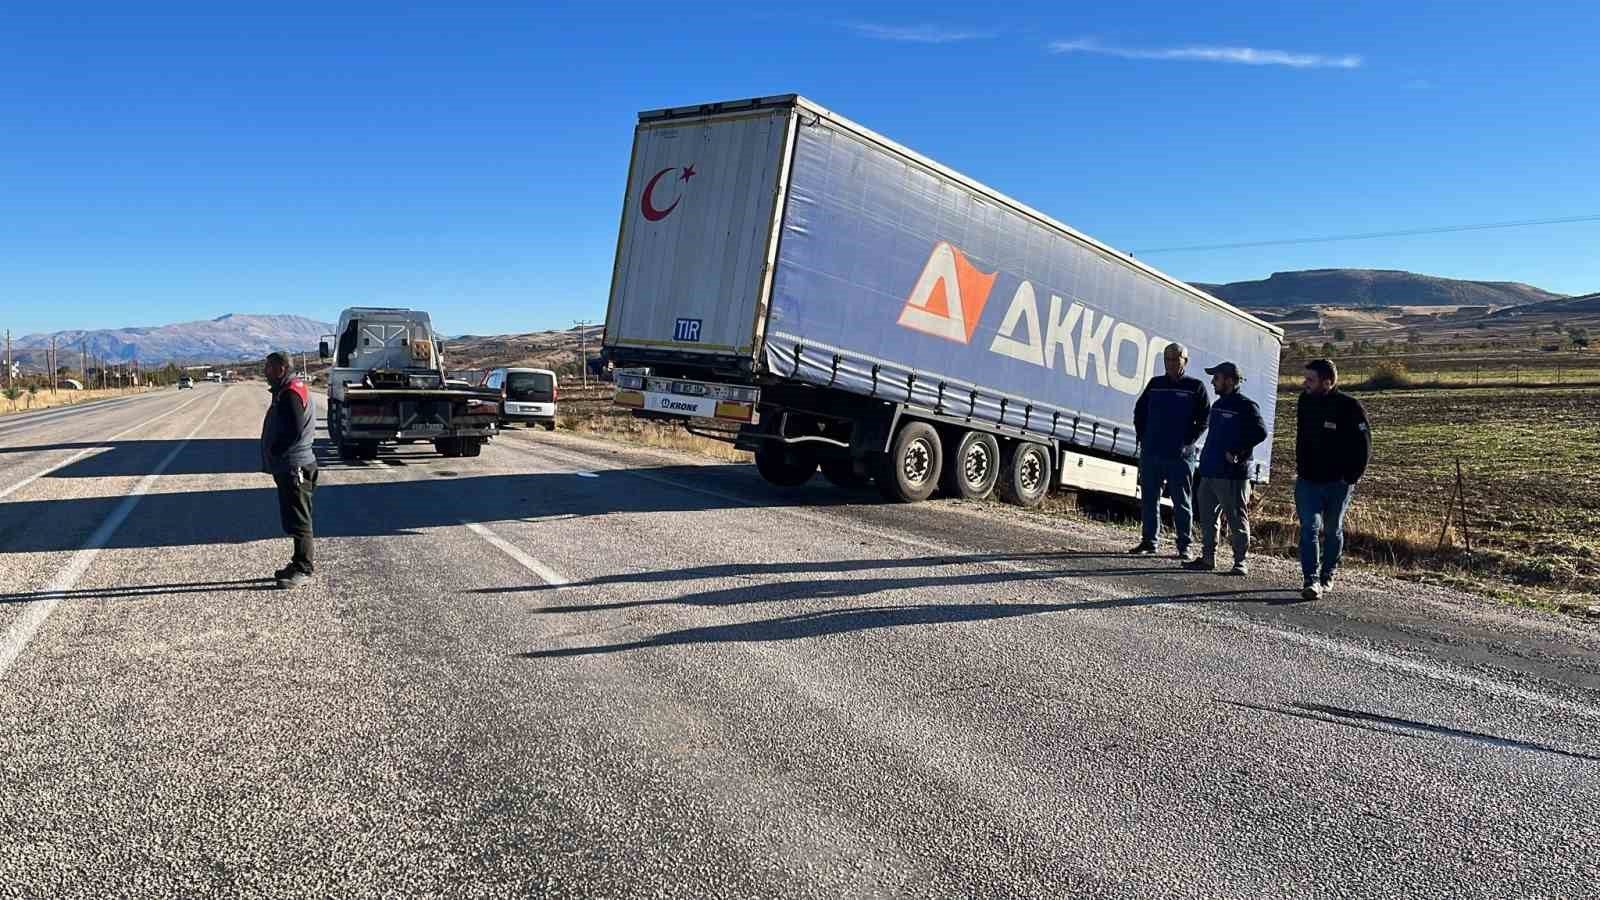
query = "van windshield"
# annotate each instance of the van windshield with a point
(533, 387)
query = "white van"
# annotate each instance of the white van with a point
(526, 395)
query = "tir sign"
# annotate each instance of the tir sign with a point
(687, 330)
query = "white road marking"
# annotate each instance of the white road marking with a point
(16, 640)
(11, 489)
(545, 573)
(1433, 671)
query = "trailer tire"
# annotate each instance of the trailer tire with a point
(450, 447)
(841, 473)
(471, 446)
(910, 471)
(349, 452)
(974, 468)
(782, 467)
(1025, 476)
(369, 449)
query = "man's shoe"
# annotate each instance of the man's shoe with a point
(1312, 591)
(284, 572)
(1325, 585)
(1183, 555)
(1200, 565)
(293, 578)
(1240, 568)
(1145, 548)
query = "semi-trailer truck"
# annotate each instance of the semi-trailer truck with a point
(848, 304)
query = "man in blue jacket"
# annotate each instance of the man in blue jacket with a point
(1234, 430)
(1168, 418)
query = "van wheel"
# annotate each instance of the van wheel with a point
(910, 471)
(842, 473)
(974, 468)
(783, 467)
(1025, 476)
(550, 426)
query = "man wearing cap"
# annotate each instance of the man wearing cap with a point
(286, 455)
(1332, 446)
(1168, 418)
(1232, 433)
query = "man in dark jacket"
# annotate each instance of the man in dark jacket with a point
(1234, 430)
(286, 435)
(1332, 446)
(1168, 418)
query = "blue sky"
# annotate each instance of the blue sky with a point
(168, 162)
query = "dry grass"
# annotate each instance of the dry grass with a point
(650, 434)
(45, 399)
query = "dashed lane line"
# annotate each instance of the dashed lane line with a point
(546, 574)
(22, 631)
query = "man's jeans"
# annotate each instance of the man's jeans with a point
(1321, 503)
(1230, 498)
(1177, 473)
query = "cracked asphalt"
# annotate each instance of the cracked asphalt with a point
(575, 668)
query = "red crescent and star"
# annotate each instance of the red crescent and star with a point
(647, 205)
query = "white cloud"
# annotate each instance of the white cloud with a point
(1247, 56)
(918, 34)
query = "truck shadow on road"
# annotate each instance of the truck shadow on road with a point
(124, 459)
(840, 621)
(403, 506)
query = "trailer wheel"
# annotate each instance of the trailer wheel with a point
(1025, 477)
(841, 473)
(349, 452)
(450, 447)
(471, 446)
(974, 467)
(783, 466)
(910, 471)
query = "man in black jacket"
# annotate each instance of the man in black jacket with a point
(1332, 446)
(286, 455)
(1169, 416)
(1234, 431)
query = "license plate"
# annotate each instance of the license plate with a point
(428, 426)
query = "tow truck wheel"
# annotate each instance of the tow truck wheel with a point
(974, 467)
(349, 452)
(783, 467)
(369, 449)
(910, 470)
(1025, 477)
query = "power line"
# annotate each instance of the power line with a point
(1364, 236)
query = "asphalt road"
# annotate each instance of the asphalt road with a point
(568, 668)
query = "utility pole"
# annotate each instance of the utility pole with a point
(583, 349)
(83, 360)
(8, 357)
(52, 364)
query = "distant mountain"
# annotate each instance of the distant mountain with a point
(226, 338)
(1586, 305)
(1373, 287)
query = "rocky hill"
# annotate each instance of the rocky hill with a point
(1372, 287)
(234, 336)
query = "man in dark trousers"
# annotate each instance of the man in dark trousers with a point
(1234, 430)
(1168, 418)
(286, 435)
(1332, 446)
